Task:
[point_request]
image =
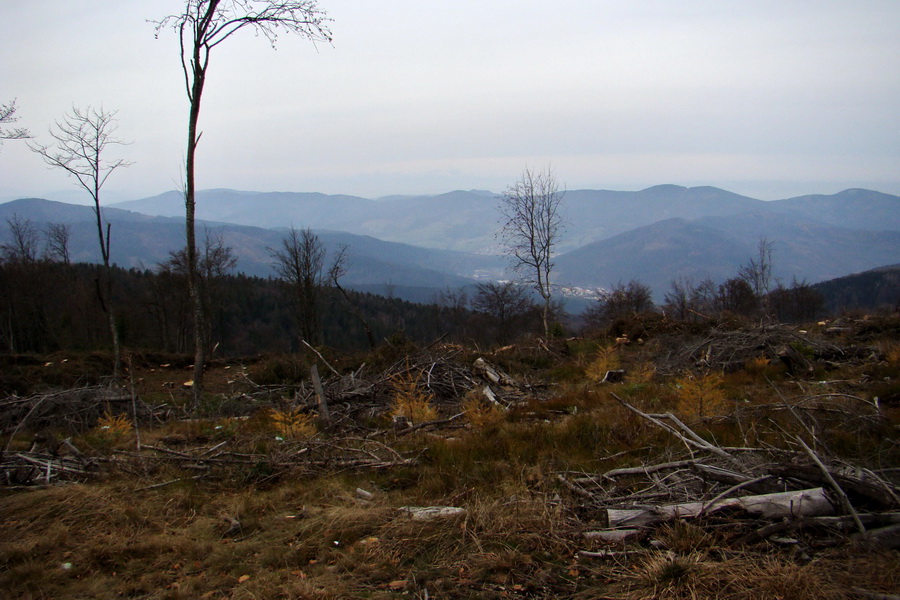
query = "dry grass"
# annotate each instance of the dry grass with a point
(310, 535)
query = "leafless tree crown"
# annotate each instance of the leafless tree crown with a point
(205, 24)
(299, 262)
(532, 223)
(82, 140)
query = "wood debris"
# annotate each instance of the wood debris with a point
(760, 493)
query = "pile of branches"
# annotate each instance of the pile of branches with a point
(726, 350)
(358, 397)
(759, 493)
(74, 410)
(50, 460)
(38, 467)
(226, 460)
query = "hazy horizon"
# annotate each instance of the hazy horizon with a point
(766, 99)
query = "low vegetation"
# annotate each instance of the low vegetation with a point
(520, 454)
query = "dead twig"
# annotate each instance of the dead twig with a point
(842, 496)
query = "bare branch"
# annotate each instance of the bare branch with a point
(8, 115)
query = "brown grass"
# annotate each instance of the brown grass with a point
(307, 534)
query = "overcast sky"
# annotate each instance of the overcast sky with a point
(767, 98)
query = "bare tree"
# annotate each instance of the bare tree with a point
(506, 303)
(23, 248)
(758, 272)
(7, 116)
(531, 209)
(215, 262)
(337, 270)
(686, 300)
(736, 296)
(25, 303)
(202, 26)
(677, 301)
(58, 236)
(622, 302)
(299, 262)
(82, 140)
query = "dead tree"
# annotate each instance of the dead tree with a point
(531, 209)
(337, 270)
(203, 25)
(82, 140)
(299, 262)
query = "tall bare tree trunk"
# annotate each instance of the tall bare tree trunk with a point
(199, 78)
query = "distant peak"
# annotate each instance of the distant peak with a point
(666, 187)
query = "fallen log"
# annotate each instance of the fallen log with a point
(867, 488)
(884, 537)
(612, 536)
(802, 503)
(840, 523)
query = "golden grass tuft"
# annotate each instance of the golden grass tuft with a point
(892, 353)
(642, 373)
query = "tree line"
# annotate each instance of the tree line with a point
(54, 304)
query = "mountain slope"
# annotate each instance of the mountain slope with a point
(140, 241)
(655, 255)
(873, 289)
(854, 208)
(715, 247)
(469, 220)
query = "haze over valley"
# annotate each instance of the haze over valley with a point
(417, 245)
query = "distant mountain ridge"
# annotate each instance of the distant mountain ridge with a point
(447, 240)
(468, 220)
(716, 247)
(141, 241)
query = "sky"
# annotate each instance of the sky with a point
(770, 99)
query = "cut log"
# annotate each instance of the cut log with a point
(612, 536)
(428, 513)
(616, 376)
(884, 537)
(803, 503)
(324, 415)
(492, 373)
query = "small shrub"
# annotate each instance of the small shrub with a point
(607, 359)
(700, 397)
(293, 424)
(892, 354)
(481, 412)
(758, 364)
(409, 400)
(114, 427)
